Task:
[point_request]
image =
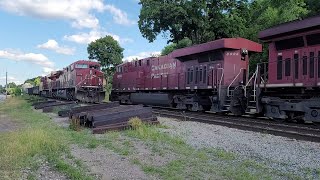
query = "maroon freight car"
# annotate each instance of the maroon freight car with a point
(201, 77)
(289, 83)
(82, 80)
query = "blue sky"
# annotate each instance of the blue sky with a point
(37, 37)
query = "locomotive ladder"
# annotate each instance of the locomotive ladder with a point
(228, 90)
(252, 99)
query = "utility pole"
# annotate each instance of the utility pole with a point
(6, 84)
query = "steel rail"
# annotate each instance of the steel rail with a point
(294, 132)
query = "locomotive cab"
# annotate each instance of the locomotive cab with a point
(221, 71)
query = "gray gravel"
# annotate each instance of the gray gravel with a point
(44, 172)
(107, 164)
(2, 98)
(281, 153)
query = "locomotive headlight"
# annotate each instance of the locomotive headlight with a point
(244, 53)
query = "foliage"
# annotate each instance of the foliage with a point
(12, 85)
(173, 46)
(135, 122)
(37, 81)
(264, 14)
(38, 139)
(2, 89)
(313, 7)
(109, 54)
(206, 20)
(32, 81)
(187, 162)
(16, 91)
(200, 21)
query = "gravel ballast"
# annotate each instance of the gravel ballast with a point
(280, 153)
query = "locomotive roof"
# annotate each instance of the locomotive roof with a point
(57, 73)
(87, 62)
(290, 28)
(226, 43)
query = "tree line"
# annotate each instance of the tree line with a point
(201, 21)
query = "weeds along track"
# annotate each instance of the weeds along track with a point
(294, 131)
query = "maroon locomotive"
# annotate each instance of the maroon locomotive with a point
(214, 76)
(289, 83)
(201, 77)
(82, 80)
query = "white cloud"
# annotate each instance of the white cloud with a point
(10, 79)
(53, 45)
(86, 38)
(142, 55)
(119, 16)
(33, 58)
(77, 11)
(47, 70)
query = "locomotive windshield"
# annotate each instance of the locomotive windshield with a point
(95, 67)
(81, 66)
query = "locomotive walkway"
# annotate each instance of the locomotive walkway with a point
(294, 131)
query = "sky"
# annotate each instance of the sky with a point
(40, 36)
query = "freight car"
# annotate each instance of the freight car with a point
(215, 76)
(33, 90)
(82, 80)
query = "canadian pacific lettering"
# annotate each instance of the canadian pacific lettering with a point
(156, 74)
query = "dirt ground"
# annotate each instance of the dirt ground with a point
(7, 124)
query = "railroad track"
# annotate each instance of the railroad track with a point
(307, 133)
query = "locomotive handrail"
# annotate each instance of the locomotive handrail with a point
(255, 74)
(234, 81)
(220, 82)
(86, 77)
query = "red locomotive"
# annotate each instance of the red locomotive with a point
(201, 77)
(289, 83)
(214, 76)
(82, 80)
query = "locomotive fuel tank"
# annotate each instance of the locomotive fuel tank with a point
(156, 99)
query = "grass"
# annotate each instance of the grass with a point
(191, 163)
(38, 137)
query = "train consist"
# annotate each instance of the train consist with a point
(82, 80)
(215, 76)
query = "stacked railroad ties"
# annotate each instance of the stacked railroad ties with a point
(100, 117)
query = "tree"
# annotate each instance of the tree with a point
(198, 20)
(264, 14)
(37, 81)
(206, 20)
(313, 7)
(173, 46)
(176, 18)
(108, 53)
(12, 85)
(2, 89)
